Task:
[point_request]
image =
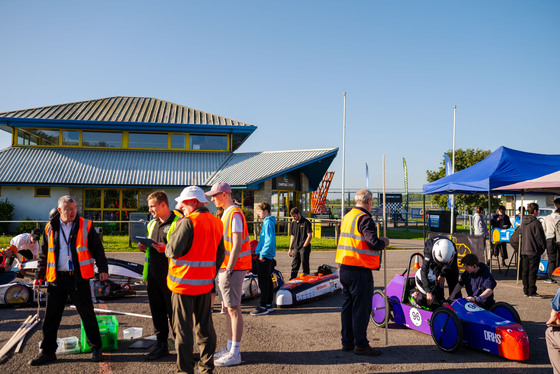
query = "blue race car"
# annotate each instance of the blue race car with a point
(497, 330)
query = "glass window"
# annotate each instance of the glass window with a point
(70, 138)
(42, 192)
(111, 199)
(178, 141)
(94, 215)
(102, 139)
(92, 199)
(38, 137)
(146, 140)
(208, 142)
(130, 199)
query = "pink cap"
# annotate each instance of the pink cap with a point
(219, 188)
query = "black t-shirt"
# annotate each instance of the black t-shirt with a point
(158, 261)
(300, 230)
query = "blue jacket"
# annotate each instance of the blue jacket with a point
(267, 240)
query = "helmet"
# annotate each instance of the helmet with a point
(53, 213)
(443, 251)
(431, 280)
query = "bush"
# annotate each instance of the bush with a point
(6, 210)
(27, 226)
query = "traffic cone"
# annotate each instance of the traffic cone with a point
(416, 265)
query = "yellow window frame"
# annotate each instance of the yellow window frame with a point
(37, 194)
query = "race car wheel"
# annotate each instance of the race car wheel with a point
(446, 329)
(379, 309)
(505, 311)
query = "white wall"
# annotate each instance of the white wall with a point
(27, 205)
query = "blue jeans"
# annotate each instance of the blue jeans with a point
(7, 277)
(357, 293)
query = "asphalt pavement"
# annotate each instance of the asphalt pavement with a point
(302, 339)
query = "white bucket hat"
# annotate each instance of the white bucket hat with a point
(190, 193)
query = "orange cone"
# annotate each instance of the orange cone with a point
(416, 265)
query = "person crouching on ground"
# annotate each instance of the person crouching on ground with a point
(478, 282)
(266, 251)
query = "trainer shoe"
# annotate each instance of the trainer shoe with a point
(270, 308)
(535, 296)
(42, 359)
(347, 348)
(549, 281)
(261, 310)
(222, 352)
(228, 359)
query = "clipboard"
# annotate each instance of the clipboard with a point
(142, 239)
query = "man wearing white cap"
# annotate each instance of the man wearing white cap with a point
(196, 251)
(230, 277)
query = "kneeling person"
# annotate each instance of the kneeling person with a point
(478, 282)
(418, 296)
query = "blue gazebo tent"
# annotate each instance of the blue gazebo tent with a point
(502, 167)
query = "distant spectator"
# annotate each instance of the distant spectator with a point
(533, 244)
(552, 246)
(501, 220)
(27, 244)
(300, 241)
(478, 222)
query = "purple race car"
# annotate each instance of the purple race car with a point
(497, 330)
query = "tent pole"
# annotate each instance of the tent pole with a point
(424, 215)
(489, 230)
(521, 214)
(385, 251)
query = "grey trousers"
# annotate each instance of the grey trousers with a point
(185, 309)
(553, 346)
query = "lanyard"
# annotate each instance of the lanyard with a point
(67, 241)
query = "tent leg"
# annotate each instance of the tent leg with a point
(424, 214)
(489, 260)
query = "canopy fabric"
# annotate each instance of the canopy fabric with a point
(547, 183)
(502, 167)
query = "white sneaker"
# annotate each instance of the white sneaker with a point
(221, 353)
(228, 359)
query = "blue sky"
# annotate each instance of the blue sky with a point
(284, 66)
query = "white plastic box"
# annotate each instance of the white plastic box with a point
(132, 333)
(67, 346)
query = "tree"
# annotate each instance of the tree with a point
(463, 159)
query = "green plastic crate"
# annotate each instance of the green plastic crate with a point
(109, 329)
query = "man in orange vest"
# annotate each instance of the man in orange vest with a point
(66, 259)
(230, 277)
(358, 253)
(196, 251)
(6, 275)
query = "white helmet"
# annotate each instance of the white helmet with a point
(418, 277)
(443, 251)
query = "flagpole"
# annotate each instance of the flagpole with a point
(385, 251)
(343, 156)
(452, 172)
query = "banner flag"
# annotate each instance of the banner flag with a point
(367, 178)
(405, 184)
(449, 171)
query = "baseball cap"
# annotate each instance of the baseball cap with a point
(36, 234)
(192, 192)
(219, 188)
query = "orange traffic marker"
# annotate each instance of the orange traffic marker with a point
(416, 265)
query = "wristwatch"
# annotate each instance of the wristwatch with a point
(228, 272)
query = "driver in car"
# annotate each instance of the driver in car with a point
(440, 256)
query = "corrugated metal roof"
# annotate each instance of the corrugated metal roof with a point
(248, 168)
(92, 167)
(139, 168)
(124, 109)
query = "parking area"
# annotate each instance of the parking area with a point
(302, 339)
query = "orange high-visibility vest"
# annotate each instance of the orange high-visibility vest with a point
(3, 255)
(352, 248)
(85, 258)
(194, 273)
(244, 258)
